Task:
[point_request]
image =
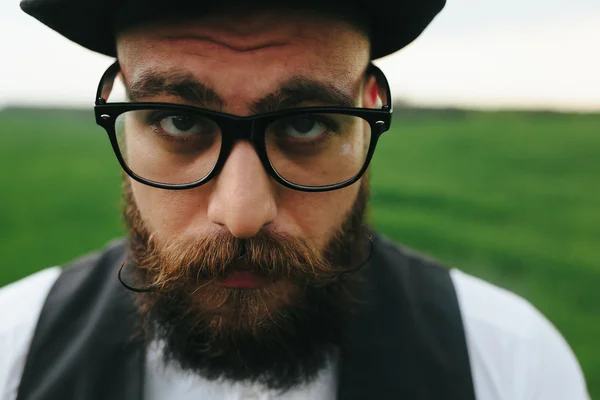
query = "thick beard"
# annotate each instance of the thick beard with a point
(281, 335)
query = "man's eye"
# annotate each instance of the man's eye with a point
(184, 125)
(304, 128)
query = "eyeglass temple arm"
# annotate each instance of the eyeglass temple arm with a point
(382, 81)
(106, 83)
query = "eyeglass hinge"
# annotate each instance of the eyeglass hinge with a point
(100, 101)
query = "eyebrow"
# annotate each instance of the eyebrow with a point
(300, 91)
(178, 84)
(295, 92)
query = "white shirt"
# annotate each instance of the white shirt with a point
(515, 352)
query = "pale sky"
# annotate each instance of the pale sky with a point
(477, 53)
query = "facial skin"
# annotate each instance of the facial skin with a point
(245, 60)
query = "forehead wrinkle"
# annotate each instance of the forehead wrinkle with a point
(243, 47)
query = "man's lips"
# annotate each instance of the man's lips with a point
(243, 279)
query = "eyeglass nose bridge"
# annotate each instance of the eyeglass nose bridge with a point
(239, 129)
(242, 128)
(251, 129)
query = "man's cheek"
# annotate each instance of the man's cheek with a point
(321, 214)
(164, 212)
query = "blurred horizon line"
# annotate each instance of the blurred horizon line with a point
(398, 104)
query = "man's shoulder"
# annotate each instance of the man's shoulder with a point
(481, 303)
(20, 306)
(515, 352)
(486, 304)
(21, 301)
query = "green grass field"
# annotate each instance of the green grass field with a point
(511, 197)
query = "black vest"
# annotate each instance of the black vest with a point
(406, 341)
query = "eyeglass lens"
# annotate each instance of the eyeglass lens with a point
(175, 147)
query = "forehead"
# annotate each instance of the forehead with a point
(245, 56)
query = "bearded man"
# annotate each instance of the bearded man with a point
(249, 270)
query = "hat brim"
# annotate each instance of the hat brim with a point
(90, 23)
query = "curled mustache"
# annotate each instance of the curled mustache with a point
(272, 255)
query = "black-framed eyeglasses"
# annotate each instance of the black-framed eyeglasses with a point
(173, 146)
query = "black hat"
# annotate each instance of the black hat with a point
(91, 23)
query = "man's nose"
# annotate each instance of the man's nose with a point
(243, 199)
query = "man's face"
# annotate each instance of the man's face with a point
(245, 61)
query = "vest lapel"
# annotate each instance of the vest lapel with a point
(406, 339)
